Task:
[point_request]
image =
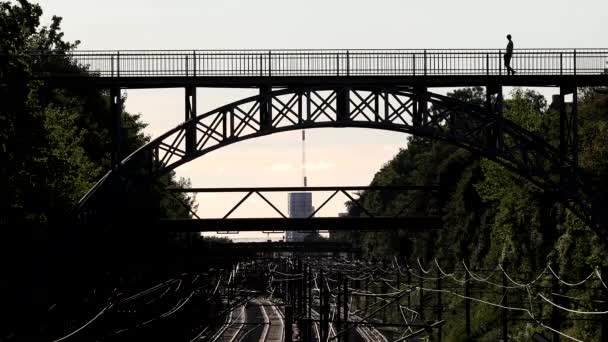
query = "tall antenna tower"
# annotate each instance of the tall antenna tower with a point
(304, 157)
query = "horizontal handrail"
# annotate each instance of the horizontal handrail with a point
(341, 63)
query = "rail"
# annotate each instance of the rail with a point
(313, 63)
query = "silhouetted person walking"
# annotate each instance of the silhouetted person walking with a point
(508, 56)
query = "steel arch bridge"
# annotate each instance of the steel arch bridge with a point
(480, 129)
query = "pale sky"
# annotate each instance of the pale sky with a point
(335, 156)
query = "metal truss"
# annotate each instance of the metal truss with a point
(368, 222)
(480, 129)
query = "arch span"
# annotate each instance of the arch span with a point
(481, 130)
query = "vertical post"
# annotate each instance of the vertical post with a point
(504, 312)
(420, 107)
(347, 63)
(439, 306)
(495, 133)
(421, 298)
(321, 303)
(327, 311)
(269, 63)
(425, 62)
(409, 283)
(343, 104)
(190, 114)
(604, 318)
(574, 62)
(261, 65)
(265, 108)
(310, 298)
(345, 308)
(487, 64)
(499, 63)
(568, 137)
(555, 314)
(288, 323)
(194, 63)
(116, 108)
(339, 305)
(413, 64)
(467, 304)
(300, 288)
(337, 63)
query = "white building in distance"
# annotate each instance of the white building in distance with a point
(300, 206)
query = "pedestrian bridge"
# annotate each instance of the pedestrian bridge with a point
(282, 68)
(375, 89)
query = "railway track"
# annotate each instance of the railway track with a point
(274, 322)
(258, 320)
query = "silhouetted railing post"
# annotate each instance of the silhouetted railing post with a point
(487, 64)
(337, 64)
(261, 65)
(413, 64)
(574, 62)
(347, 63)
(194, 63)
(269, 63)
(425, 62)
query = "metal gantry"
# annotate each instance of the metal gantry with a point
(369, 221)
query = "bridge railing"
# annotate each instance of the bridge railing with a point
(339, 63)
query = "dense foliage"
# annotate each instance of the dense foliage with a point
(490, 215)
(54, 145)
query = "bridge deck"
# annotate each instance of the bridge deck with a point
(279, 68)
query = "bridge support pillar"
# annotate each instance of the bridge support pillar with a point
(116, 109)
(494, 106)
(420, 107)
(343, 105)
(265, 108)
(568, 138)
(190, 114)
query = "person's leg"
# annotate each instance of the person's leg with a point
(508, 64)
